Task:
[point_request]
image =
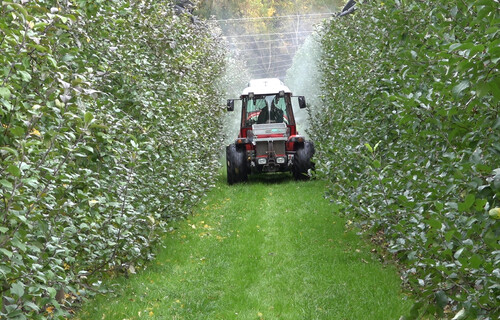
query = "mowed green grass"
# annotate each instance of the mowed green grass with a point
(272, 248)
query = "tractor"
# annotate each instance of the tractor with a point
(268, 140)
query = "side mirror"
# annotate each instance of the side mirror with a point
(302, 102)
(230, 105)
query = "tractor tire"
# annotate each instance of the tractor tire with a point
(302, 161)
(236, 164)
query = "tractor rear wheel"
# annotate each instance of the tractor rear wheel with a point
(236, 164)
(302, 161)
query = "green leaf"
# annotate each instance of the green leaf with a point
(4, 270)
(88, 148)
(38, 47)
(475, 261)
(376, 164)
(6, 184)
(63, 18)
(88, 117)
(10, 150)
(482, 89)
(415, 310)
(25, 76)
(20, 8)
(18, 244)
(479, 204)
(441, 299)
(40, 25)
(17, 131)
(476, 49)
(461, 315)
(461, 87)
(52, 61)
(458, 253)
(495, 89)
(32, 182)
(4, 92)
(14, 170)
(461, 46)
(32, 306)
(467, 204)
(17, 289)
(68, 57)
(367, 145)
(52, 292)
(449, 235)
(487, 3)
(6, 252)
(439, 206)
(435, 224)
(3, 229)
(16, 314)
(497, 124)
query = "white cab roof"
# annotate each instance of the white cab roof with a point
(265, 86)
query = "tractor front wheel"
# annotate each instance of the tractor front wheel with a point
(236, 164)
(302, 161)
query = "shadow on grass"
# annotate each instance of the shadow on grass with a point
(261, 178)
(258, 178)
(270, 178)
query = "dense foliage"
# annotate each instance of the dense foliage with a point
(108, 128)
(409, 137)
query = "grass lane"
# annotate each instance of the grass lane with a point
(269, 249)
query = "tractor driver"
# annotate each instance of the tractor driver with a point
(275, 117)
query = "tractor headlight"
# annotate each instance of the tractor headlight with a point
(280, 160)
(261, 161)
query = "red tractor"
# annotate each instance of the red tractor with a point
(268, 140)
